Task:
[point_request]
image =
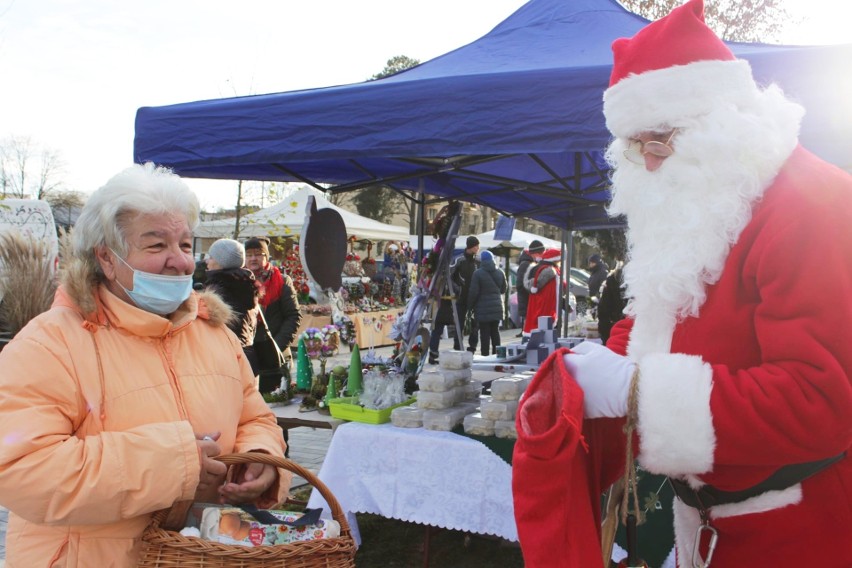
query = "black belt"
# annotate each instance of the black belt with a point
(789, 475)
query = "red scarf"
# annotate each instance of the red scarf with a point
(273, 282)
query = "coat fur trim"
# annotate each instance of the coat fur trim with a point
(675, 422)
(659, 98)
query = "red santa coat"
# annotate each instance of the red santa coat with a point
(761, 379)
(543, 294)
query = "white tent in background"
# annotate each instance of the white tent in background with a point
(285, 219)
(520, 240)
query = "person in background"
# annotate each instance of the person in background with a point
(278, 299)
(238, 287)
(396, 271)
(443, 319)
(485, 298)
(542, 281)
(741, 367)
(462, 274)
(598, 270)
(527, 257)
(613, 302)
(117, 399)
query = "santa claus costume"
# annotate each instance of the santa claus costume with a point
(542, 281)
(744, 357)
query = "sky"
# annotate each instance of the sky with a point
(74, 72)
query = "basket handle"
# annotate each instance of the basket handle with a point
(282, 463)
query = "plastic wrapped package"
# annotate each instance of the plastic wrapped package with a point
(461, 394)
(432, 381)
(457, 376)
(407, 417)
(435, 400)
(455, 359)
(472, 391)
(444, 419)
(469, 406)
(505, 429)
(508, 388)
(477, 425)
(499, 409)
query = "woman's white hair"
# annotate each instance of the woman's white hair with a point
(142, 189)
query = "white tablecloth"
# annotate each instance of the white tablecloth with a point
(411, 474)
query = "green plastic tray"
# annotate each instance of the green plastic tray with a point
(347, 408)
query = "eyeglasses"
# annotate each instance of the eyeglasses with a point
(255, 255)
(637, 149)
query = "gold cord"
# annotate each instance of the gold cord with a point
(631, 487)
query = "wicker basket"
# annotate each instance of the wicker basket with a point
(169, 549)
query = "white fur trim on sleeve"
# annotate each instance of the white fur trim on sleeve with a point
(675, 421)
(661, 97)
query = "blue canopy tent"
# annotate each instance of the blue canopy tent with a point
(512, 121)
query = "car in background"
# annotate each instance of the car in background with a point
(581, 275)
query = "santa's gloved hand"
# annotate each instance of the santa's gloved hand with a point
(604, 377)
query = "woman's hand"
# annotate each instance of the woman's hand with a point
(252, 482)
(212, 471)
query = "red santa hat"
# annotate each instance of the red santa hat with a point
(551, 255)
(674, 68)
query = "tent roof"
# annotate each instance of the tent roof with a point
(512, 120)
(287, 217)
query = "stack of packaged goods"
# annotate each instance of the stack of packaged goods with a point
(445, 397)
(497, 412)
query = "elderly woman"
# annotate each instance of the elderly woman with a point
(117, 399)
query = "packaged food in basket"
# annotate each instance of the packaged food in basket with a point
(432, 381)
(443, 420)
(457, 376)
(407, 417)
(435, 400)
(232, 525)
(499, 409)
(508, 388)
(477, 425)
(455, 359)
(505, 429)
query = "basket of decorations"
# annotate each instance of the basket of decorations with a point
(323, 544)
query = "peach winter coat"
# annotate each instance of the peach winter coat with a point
(98, 420)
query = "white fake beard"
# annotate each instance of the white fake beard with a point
(684, 217)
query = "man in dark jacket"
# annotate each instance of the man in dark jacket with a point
(462, 274)
(612, 304)
(443, 319)
(528, 257)
(598, 270)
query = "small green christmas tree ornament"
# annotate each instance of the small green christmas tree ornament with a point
(354, 387)
(304, 369)
(335, 381)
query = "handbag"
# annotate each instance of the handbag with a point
(268, 353)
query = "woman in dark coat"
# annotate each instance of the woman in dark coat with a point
(237, 286)
(485, 298)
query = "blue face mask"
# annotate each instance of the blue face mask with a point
(157, 293)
